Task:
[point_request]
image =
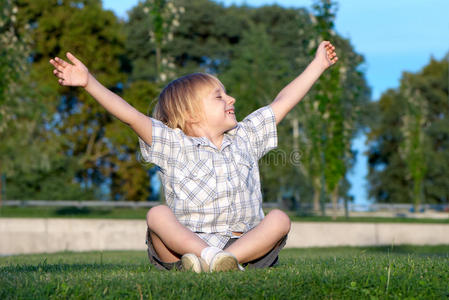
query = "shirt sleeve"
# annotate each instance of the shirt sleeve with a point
(260, 130)
(164, 145)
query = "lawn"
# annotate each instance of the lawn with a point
(140, 213)
(322, 273)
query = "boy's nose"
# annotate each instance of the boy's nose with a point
(231, 100)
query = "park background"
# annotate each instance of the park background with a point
(58, 144)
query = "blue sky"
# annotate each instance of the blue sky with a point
(393, 35)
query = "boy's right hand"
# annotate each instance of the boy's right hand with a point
(75, 74)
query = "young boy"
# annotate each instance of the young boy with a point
(213, 220)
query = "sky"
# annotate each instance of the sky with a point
(393, 35)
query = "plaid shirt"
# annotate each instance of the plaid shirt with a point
(214, 192)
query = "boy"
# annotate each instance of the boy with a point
(208, 165)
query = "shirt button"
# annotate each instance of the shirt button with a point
(229, 178)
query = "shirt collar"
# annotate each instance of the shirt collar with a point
(232, 131)
(227, 139)
(199, 140)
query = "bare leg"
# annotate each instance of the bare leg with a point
(170, 238)
(262, 238)
(165, 254)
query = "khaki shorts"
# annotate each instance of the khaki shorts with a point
(267, 261)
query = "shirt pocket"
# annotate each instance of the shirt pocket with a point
(245, 168)
(196, 183)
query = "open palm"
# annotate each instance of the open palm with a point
(74, 74)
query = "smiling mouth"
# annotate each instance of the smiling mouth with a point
(230, 112)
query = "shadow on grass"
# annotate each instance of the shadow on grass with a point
(400, 250)
(434, 251)
(80, 211)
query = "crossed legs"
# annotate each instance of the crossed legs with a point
(171, 239)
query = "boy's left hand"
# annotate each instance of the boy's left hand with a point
(325, 54)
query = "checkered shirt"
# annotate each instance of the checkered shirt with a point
(214, 192)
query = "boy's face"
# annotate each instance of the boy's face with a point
(218, 109)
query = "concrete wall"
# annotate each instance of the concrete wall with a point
(18, 235)
(321, 234)
(53, 235)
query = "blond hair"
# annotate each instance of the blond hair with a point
(180, 100)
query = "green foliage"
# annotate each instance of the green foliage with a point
(355, 273)
(129, 177)
(330, 113)
(414, 146)
(13, 52)
(408, 154)
(255, 52)
(77, 121)
(256, 73)
(269, 55)
(31, 158)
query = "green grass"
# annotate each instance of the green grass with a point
(401, 272)
(140, 213)
(72, 212)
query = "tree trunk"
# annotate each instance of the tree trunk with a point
(346, 208)
(280, 200)
(316, 195)
(418, 193)
(295, 126)
(334, 197)
(1, 189)
(158, 62)
(316, 199)
(297, 203)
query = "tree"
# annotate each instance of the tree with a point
(254, 77)
(269, 55)
(129, 177)
(96, 36)
(255, 51)
(31, 156)
(414, 145)
(330, 113)
(408, 154)
(201, 42)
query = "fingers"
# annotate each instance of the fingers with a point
(73, 59)
(59, 64)
(327, 45)
(330, 52)
(60, 76)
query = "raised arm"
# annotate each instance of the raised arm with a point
(76, 74)
(293, 93)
